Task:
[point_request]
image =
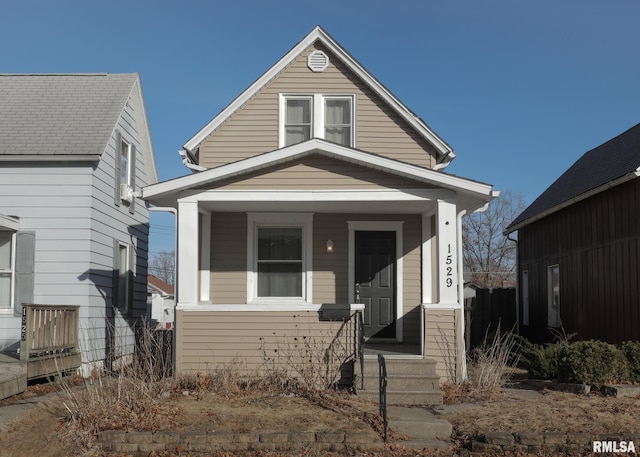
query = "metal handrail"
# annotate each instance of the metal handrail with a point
(382, 366)
(361, 347)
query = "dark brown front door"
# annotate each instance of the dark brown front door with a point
(376, 281)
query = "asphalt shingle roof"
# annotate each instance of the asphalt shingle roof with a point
(597, 167)
(60, 114)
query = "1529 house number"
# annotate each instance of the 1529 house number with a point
(449, 261)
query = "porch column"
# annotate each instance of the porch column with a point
(446, 226)
(187, 261)
(205, 255)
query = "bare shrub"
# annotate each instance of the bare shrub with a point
(127, 398)
(491, 365)
(312, 363)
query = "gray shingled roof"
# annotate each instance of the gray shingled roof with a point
(60, 114)
(612, 160)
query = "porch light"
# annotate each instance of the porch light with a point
(329, 245)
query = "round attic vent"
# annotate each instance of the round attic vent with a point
(317, 61)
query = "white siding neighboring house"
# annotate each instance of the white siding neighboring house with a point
(161, 303)
(73, 150)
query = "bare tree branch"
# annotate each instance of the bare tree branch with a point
(489, 256)
(163, 266)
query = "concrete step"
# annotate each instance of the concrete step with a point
(421, 397)
(404, 382)
(429, 445)
(401, 366)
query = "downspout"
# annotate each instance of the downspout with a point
(176, 290)
(463, 351)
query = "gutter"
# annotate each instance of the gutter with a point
(188, 160)
(571, 201)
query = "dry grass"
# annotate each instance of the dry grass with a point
(546, 411)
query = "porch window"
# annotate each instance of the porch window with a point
(329, 117)
(279, 262)
(278, 257)
(553, 285)
(6, 269)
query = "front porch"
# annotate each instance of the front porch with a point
(48, 347)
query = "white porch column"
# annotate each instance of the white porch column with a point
(446, 231)
(427, 259)
(188, 274)
(205, 256)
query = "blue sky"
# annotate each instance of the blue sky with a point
(519, 89)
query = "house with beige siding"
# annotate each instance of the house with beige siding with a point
(318, 210)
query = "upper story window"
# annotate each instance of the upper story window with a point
(125, 173)
(125, 163)
(330, 117)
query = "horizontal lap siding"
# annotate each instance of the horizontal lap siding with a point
(253, 129)
(317, 172)
(228, 258)
(441, 328)
(253, 340)
(596, 243)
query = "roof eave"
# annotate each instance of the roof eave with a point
(444, 150)
(571, 201)
(482, 191)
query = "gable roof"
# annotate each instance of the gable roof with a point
(160, 193)
(159, 285)
(60, 114)
(444, 151)
(610, 164)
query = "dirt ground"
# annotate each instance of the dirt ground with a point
(41, 431)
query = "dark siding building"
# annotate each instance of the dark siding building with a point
(579, 248)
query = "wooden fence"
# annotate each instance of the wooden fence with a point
(49, 339)
(488, 309)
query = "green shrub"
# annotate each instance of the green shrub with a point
(543, 361)
(592, 362)
(631, 351)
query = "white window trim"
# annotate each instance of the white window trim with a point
(126, 145)
(386, 226)
(302, 220)
(317, 119)
(125, 307)
(10, 309)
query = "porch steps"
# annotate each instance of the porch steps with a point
(409, 381)
(13, 376)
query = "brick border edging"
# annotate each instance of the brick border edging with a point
(493, 442)
(207, 442)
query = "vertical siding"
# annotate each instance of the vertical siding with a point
(253, 129)
(596, 243)
(253, 341)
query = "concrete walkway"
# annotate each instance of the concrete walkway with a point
(9, 413)
(425, 430)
